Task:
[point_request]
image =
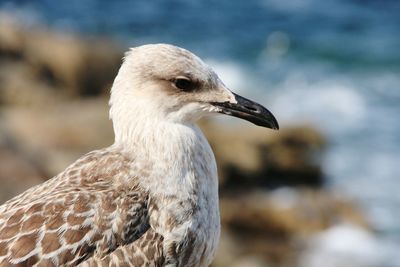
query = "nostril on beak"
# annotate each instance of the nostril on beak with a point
(254, 109)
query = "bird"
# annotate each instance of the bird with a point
(150, 198)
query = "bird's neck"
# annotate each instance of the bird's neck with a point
(175, 156)
(153, 137)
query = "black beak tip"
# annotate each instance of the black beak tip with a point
(269, 122)
(275, 125)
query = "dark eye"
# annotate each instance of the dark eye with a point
(184, 84)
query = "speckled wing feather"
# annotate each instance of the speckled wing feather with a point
(146, 251)
(92, 213)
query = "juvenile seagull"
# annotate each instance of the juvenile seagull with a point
(151, 198)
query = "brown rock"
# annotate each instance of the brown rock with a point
(36, 61)
(18, 171)
(273, 225)
(82, 66)
(11, 40)
(58, 134)
(249, 156)
(293, 157)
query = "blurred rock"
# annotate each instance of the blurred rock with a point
(251, 156)
(11, 39)
(38, 61)
(274, 225)
(20, 86)
(18, 171)
(59, 134)
(83, 66)
(293, 157)
(41, 72)
(289, 211)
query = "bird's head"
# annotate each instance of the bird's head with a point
(168, 83)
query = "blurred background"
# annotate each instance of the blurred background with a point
(321, 192)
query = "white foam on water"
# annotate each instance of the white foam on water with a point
(332, 105)
(232, 74)
(347, 245)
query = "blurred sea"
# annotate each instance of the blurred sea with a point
(332, 64)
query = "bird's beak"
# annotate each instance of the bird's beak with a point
(248, 110)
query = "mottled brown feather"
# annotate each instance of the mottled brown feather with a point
(137, 253)
(82, 216)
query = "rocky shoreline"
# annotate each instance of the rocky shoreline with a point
(53, 108)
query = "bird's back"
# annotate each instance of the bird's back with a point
(86, 214)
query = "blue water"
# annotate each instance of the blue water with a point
(333, 64)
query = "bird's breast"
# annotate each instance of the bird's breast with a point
(184, 203)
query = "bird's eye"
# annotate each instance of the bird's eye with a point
(184, 84)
